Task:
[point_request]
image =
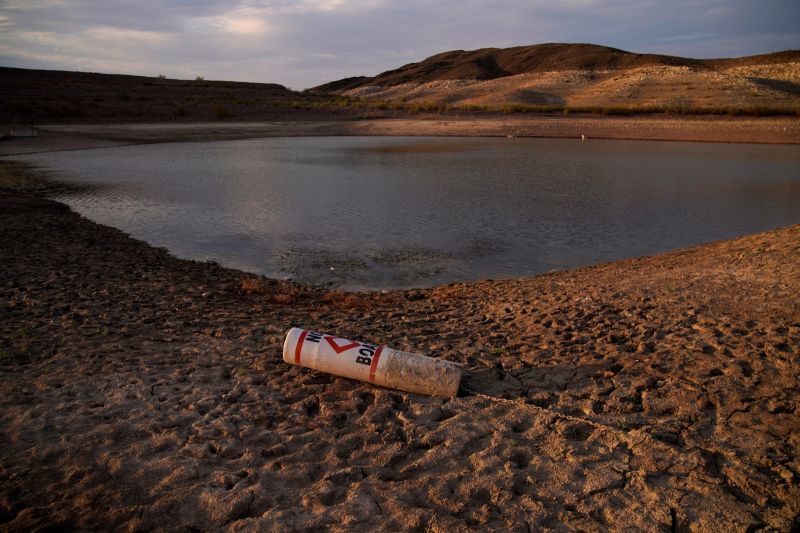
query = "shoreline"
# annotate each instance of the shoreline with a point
(682, 129)
(651, 393)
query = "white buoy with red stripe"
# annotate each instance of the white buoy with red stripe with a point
(375, 364)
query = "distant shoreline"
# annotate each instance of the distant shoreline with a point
(773, 130)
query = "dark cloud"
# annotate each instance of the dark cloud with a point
(305, 42)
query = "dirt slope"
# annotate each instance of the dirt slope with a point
(584, 75)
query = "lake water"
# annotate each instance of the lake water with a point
(384, 212)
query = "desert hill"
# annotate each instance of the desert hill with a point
(570, 77)
(62, 96)
(584, 75)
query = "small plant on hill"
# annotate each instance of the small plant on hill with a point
(342, 300)
(221, 112)
(6, 356)
(284, 293)
(253, 286)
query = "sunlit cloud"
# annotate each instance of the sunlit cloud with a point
(244, 25)
(306, 6)
(332, 5)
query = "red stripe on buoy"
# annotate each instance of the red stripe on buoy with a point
(374, 366)
(299, 346)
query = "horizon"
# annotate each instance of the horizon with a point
(310, 42)
(278, 82)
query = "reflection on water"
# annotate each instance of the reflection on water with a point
(415, 148)
(369, 212)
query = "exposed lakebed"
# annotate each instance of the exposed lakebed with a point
(384, 212)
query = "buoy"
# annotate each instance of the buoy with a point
(379, 365)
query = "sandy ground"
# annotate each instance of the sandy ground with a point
(707, 129)
(143, 392)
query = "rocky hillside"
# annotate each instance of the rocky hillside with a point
(583, 75)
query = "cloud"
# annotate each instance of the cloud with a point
(245, 22)
(687, 37)
(244, 25)
(302, 43)
(118, 38)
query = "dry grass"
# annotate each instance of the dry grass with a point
(251, 285)
(285, 297)
(344, 301)
(280, 292)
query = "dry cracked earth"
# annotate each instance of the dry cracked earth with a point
(142, 392)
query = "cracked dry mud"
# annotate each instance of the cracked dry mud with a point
(144, 392)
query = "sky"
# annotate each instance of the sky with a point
(303, 43)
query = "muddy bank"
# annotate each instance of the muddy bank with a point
(140, 391)
(705, 129)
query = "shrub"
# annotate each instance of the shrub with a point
(284, 293)
(221, 112)
(343, 300)
(253, 285)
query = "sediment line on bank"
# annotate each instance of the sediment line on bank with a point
(770, 130)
